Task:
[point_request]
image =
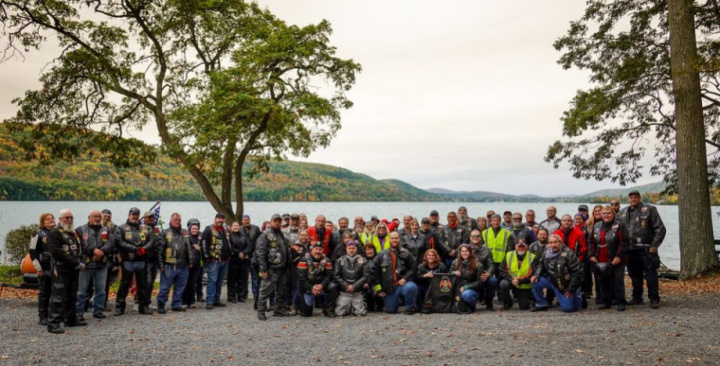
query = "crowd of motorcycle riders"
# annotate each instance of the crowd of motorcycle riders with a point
(292, 267)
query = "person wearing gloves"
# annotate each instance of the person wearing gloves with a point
(134, 244)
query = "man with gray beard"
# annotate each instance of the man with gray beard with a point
(66, 251)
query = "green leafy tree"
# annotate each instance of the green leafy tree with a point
(17, 243)
(630, 106)
(127, 63)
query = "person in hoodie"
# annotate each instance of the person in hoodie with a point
(195, 269)
(239, 264)
(521, 231)
(217, 251)
(574, 239)
(97, 246)
(176, 258)
(352, 272)
(469, 283)
(558, 270)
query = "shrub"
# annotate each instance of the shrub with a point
(17, 242)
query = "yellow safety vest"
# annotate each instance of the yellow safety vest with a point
(523, 271)
(496, 244)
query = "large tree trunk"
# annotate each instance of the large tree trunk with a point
(697, 250)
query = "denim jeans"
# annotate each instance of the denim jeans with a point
(567, 305)
(215, 277)
(177, 277)
(98, 277)
(408, 291)
(470, 298)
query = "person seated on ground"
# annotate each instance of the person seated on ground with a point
(515, 274)
(392, 276)
(351, 274)
(372, 300)
(558, 269)
(469, 283)
(430, 265)
(484, 257)
(315, 272)
(608, 253)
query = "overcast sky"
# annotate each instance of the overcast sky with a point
(463, 95)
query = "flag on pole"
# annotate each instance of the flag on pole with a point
(156, 212)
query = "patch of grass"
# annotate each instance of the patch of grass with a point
(11, 274)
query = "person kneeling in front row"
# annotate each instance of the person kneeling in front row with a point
(557, 270)
(392, 274)
(351, 274)
(315, 273)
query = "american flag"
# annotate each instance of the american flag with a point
(156, 212)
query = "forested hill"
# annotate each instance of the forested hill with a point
(93, 178)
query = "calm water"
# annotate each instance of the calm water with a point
(14, 214)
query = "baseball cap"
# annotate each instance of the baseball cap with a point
(634, 192)
(134, 211)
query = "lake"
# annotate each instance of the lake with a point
(14, 213)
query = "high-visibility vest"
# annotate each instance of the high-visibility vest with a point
(523, 271)
(365, 239)
(497, 244)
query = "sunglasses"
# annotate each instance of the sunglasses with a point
(474, 236)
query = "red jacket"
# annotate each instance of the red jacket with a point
(576, 242)
(326, 240)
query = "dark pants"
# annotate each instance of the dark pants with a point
(199, 284)
(45, 283)
(522, 296)
(613, 287)
(130, 269)
(151, 269)
(63, 298)
(276, 281)
(639, 266)
(190, 290)
(587, 280)
(374, 302)
(237, 279)
(328, 297)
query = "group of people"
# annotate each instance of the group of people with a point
(376, 265)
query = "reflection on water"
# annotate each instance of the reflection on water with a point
(14, 214)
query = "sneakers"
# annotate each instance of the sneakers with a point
(654, 304)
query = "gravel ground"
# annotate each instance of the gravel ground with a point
(683, 331)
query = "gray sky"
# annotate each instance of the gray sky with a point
(463, 95)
